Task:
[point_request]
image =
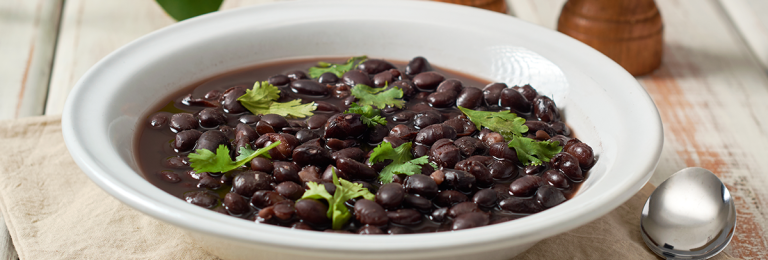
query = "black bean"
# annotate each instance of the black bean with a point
(422, 185)
(310, 154)
(211, 117)
(249, 119)
(310, 173)
(492, 138)
(533, 169)
(354, 77)
(286, 171)
(428, 81)
(448, 198)
(417, 65)
(429, 135)
(512, 99)
(244, 131)
(407, 86)
(583, 154)
(159, 120)
(305, 135)
(353, 153)
(420, 150)
(569, 165)
(556, 178)
(263, 127)
(201, 198)
(549, 196)
(226, 179)
(426, 118)
(229, 100)
(501, 151)
(376, 134)
(355, 170)
(528, 92)
(453, 86)
(214, 94)
(404, 216)
(279, 80)
(208, 182)
(169, 176)
(439, 215)
(402, 132)
(441, 99)
(309, 87)
(469, 146)
(248, 182)
(382, 79)
(482, 173)
(211, 140)
(317, 121)
(344, 126)
(176, 162)
(284, 150)
(290, 190)
(470, 97)
(492, 93)
(337, 144)
(462, 208)
(297, 75)
(502, 169)
(390, 195)
(312, 212)
(368, 212)
(262, 164)
(235, 204)
(328, 78)
(183, 121)
(373, 66)
(526, 186)
(302, 226)
(470, 220)
(520, 205)
(444, 153)
(416, 202)
(326, 106)
(458, 180)
(485, 198)
(544, 109)
(265, 198)
(404, 116)
(185, 140)
(276, 121)
(284, 210)
(369, 230)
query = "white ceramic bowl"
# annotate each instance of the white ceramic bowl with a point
(602, 103)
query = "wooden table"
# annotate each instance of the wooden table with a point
(711, 90)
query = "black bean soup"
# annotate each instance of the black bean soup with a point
(479, 180)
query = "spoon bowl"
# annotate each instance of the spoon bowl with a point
(691, 215)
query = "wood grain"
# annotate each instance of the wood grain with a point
(710, 92)
(751, 20)
(28, 29)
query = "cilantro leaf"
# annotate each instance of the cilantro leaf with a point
(203, 160)
(345, 190)
(368, 96)
(338, 69)
(402, 161)
(185, 9)
(261, 100)
(502, 121)
(532, 152)
(369, 115)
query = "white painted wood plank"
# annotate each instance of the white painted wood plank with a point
(28, 29)
(91, 29)
(710, 92)
(751, 19)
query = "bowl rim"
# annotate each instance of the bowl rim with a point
(475, 239)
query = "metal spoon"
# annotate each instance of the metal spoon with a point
(691, 215)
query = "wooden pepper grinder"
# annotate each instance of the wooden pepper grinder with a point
(627, 31)
(493, 5)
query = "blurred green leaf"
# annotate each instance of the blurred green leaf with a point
(185, 9)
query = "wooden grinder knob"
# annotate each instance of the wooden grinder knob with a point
(493, 5)
(627, 31)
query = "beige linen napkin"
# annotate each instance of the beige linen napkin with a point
(53, 211)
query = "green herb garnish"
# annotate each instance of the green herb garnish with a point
(502, 121)
(369, 115)
(338, 69)
(261, 100)
(530, 151)
(512, 127)
(185, 9)
(345, 190)
(368, 96)
(402, 161)
(203, 160)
